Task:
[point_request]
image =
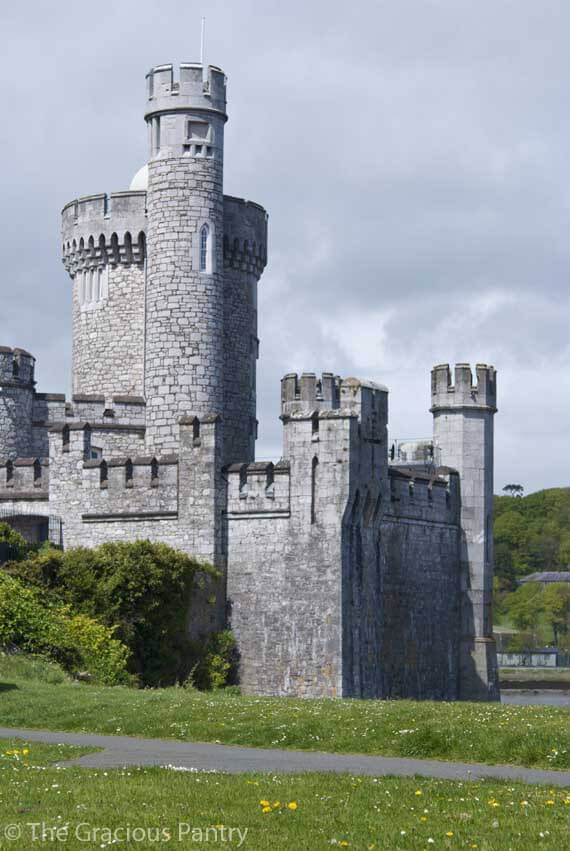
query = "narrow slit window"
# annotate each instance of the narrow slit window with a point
(204, 239)
(314, 472)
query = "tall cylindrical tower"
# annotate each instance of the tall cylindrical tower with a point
(184, 338)
(16, 402)
(463, 412)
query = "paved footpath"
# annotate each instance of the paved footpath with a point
(119, 751)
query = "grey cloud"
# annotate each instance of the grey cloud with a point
(412, 157)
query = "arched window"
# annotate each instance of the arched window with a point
(204, 245)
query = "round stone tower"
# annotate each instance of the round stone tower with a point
(16, 401)
(104, 254)
(184, 340)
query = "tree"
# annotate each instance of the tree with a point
(556, 601)
(514, 490)
(525, 606)
(564, 550)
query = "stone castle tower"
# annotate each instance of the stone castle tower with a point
(350, 567)
(165, 275)
(463, 413)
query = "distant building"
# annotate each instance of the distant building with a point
(546, 577)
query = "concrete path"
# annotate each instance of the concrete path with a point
(119, 751)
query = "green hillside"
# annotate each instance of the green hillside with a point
(532, 533)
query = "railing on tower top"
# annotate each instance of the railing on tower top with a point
(414, 452)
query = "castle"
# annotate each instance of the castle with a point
(352, 566)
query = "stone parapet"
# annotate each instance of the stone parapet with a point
(464, 390)
(104, 229)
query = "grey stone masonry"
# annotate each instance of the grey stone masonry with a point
(463, 411)
(245, 243)
(184, 346)
(104, 251)
(345, 569)
(16, 401)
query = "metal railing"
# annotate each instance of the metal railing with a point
(410, 452)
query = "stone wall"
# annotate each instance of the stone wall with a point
(343, 579)
(108, 335)
(16, 402)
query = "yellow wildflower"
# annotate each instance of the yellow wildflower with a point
(292, 805)
(549, 803)
(419, 792)
(276, 804)
(264, 803)
(449, 833)
(266, 810)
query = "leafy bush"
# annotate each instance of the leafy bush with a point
(143, 589)
(217, 666)
(12, 544)
(34, 623)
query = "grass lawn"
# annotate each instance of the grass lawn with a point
(38, 695)
(163, 807)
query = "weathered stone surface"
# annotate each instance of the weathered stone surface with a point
(340, 575)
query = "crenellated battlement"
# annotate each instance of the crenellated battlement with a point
(245, 235)
(306, 394)
(197, 88)
(121, 485)
(309, 393)
(16, 367)
(120, 410)
(24, 475)
(104, 229)
(431, 497)
(258, 488)
(464, 390)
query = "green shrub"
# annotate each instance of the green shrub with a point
(143, 589)
(217, 665)
(37, 624)
(12, 544)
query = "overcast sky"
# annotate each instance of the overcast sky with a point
(412, 156)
